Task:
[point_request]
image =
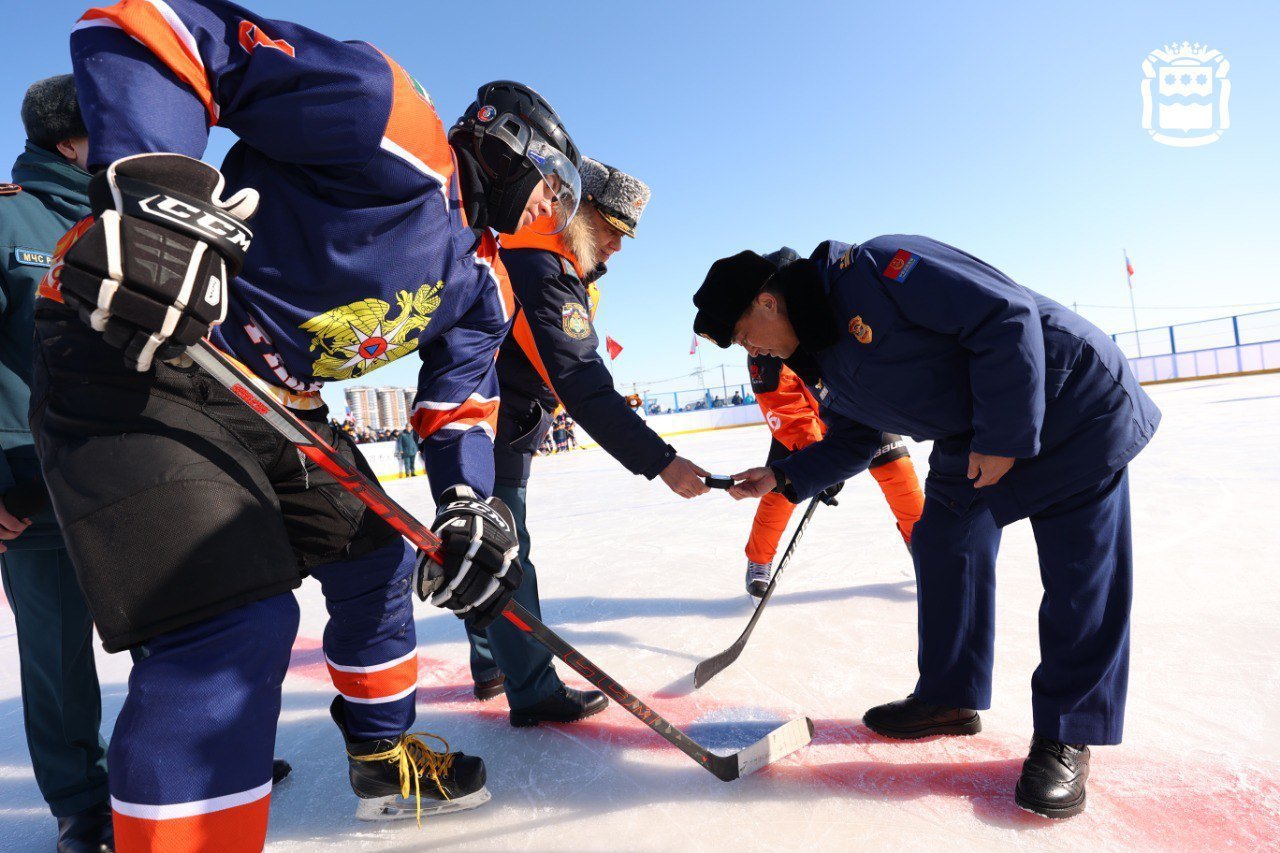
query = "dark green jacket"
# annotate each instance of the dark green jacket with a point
(52, 198)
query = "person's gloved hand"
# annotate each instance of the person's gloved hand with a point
(480, 568)
(150, 269)
(828, 495)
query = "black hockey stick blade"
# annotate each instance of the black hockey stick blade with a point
(716, 664)
(781, 742)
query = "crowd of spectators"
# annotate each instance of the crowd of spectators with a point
(365, 435)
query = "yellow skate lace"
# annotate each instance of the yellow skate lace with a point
(415, 759)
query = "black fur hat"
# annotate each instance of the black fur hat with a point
(726, 294)
(51, 113)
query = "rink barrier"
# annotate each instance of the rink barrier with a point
(1218, 362)
(1239, 360)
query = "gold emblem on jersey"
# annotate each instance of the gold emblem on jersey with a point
(362, 336)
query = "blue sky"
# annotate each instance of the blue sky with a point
(1010, 130)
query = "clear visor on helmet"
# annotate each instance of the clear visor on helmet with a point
(562, 187)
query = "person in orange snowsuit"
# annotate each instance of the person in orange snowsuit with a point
(791, 411)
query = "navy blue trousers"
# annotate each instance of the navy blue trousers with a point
(502, 648)
(1086, 567)
(196, 734)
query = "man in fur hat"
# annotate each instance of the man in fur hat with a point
(551, 358)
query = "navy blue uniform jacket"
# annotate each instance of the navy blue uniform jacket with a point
(554, 341)
(937, 344)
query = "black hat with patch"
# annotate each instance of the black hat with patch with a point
(726, 294)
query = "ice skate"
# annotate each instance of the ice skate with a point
(404, 778)
(758, 575)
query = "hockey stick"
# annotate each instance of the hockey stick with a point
(714, 665)
(781, 742)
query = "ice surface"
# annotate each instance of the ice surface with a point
(646, 585)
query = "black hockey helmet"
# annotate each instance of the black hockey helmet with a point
(517, 140)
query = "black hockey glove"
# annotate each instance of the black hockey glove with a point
(151, 272)
(828, 495)
(481, 569)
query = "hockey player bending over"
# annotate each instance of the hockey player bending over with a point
(188, 520)
(791, 413)
(1033, 413)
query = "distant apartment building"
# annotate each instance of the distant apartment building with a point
(362, 402)
(392, 411)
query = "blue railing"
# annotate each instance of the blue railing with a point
(1238, 330)
(1234, 331)
(718, 397)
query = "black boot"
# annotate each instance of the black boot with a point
(908, 719)
(88, 831)
(1053, 777)
(403, 777)
(490, 689)
(566, 705)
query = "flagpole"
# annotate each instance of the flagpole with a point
(1133, 308)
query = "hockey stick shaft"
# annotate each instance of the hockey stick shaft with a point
(315, 448)
(714, 665)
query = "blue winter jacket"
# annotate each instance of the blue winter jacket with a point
(936, 344)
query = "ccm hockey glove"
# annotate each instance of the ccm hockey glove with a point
(151, 272)
(481, 568)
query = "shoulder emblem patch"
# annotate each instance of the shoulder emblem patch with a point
(900, 266)
(575, 320)
(32, 257)
(861, 331)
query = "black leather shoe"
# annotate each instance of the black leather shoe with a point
(89, 831)
(1053, 777)
(908, 719)
(566, 705)
(491, 689)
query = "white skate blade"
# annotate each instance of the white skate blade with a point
(395, 807)
(779, 743)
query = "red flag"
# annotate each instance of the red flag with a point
(612, 346)
(693, 347)
(1128, 264)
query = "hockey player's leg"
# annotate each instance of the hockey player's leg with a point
(954, 553)
(371, 651)
(190, 755)
(772, 514)
(534, 691)
(896, 475)
(1078, 691)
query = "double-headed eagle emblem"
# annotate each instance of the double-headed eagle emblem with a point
(357, 338)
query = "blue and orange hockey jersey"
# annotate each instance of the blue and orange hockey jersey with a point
(362, 253)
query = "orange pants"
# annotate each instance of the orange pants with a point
(897, 481)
